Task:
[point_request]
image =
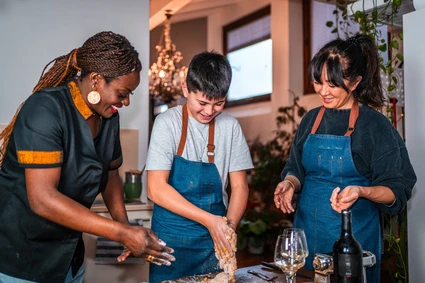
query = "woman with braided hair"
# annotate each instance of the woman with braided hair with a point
(60, 151)
(346, 154)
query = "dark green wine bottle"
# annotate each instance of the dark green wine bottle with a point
(347, 254)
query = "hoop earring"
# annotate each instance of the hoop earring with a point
(93, 97)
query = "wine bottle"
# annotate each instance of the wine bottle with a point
(347, 254)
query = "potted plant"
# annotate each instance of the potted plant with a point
(269, 158)
(262, 222)
(259, 227)
(251, 234)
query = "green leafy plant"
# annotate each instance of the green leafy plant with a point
(369, 23)
(254, 227)
(269, 158)
(396, 246)
(260, 227)
(262, 222)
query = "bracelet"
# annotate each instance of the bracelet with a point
(291, 184)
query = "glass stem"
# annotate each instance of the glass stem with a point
(290, 278)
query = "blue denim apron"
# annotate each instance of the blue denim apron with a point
(199, 183)
(328, 162)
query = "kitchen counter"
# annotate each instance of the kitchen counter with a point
(130, 205)
(242, 276)
(109, 271)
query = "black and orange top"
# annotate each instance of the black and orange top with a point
(51, 131)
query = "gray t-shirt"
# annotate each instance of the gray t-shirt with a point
(231, 150)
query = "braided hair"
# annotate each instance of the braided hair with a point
(109, 54)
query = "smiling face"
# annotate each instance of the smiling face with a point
(334, 96)
(201, 108)
(115, 94)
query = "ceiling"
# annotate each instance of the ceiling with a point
(190, 9)
(184, 9)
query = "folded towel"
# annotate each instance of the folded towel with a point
(107, 250)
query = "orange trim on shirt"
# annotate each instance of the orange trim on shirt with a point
(39, 157)
(79, 102)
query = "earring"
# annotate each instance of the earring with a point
(93, 97)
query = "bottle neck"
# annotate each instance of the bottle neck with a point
(346, 223)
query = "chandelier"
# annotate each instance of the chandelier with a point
(166, 74)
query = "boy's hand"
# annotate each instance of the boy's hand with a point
(219, 232)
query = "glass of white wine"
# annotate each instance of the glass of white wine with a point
(302, 235)
(290, 252)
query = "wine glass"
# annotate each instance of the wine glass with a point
(303, 238)
(290, 252)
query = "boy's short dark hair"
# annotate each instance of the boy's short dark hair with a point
(210, 73)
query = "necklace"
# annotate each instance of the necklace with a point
(199, 139)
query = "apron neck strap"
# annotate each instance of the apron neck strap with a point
(211, 146)
(183, 136)
(318, 120)
(354, 114)
(182, 143)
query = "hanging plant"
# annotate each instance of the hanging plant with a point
(369, 23)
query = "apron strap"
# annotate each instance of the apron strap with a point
(211, 146)
(182, 143)
(318, 120)
(354, 114)
(183, 137)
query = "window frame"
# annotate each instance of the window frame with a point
(235, 25)
(308, 84)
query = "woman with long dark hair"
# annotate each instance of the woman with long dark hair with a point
(346, 154)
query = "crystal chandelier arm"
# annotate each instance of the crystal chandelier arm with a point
(167, 73)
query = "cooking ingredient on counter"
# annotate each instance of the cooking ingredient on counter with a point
(222, 277)
(206, 278)
(227, 263)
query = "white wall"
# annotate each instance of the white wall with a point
(414, 75)
(35, 32)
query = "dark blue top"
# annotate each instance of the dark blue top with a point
(379, 153)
